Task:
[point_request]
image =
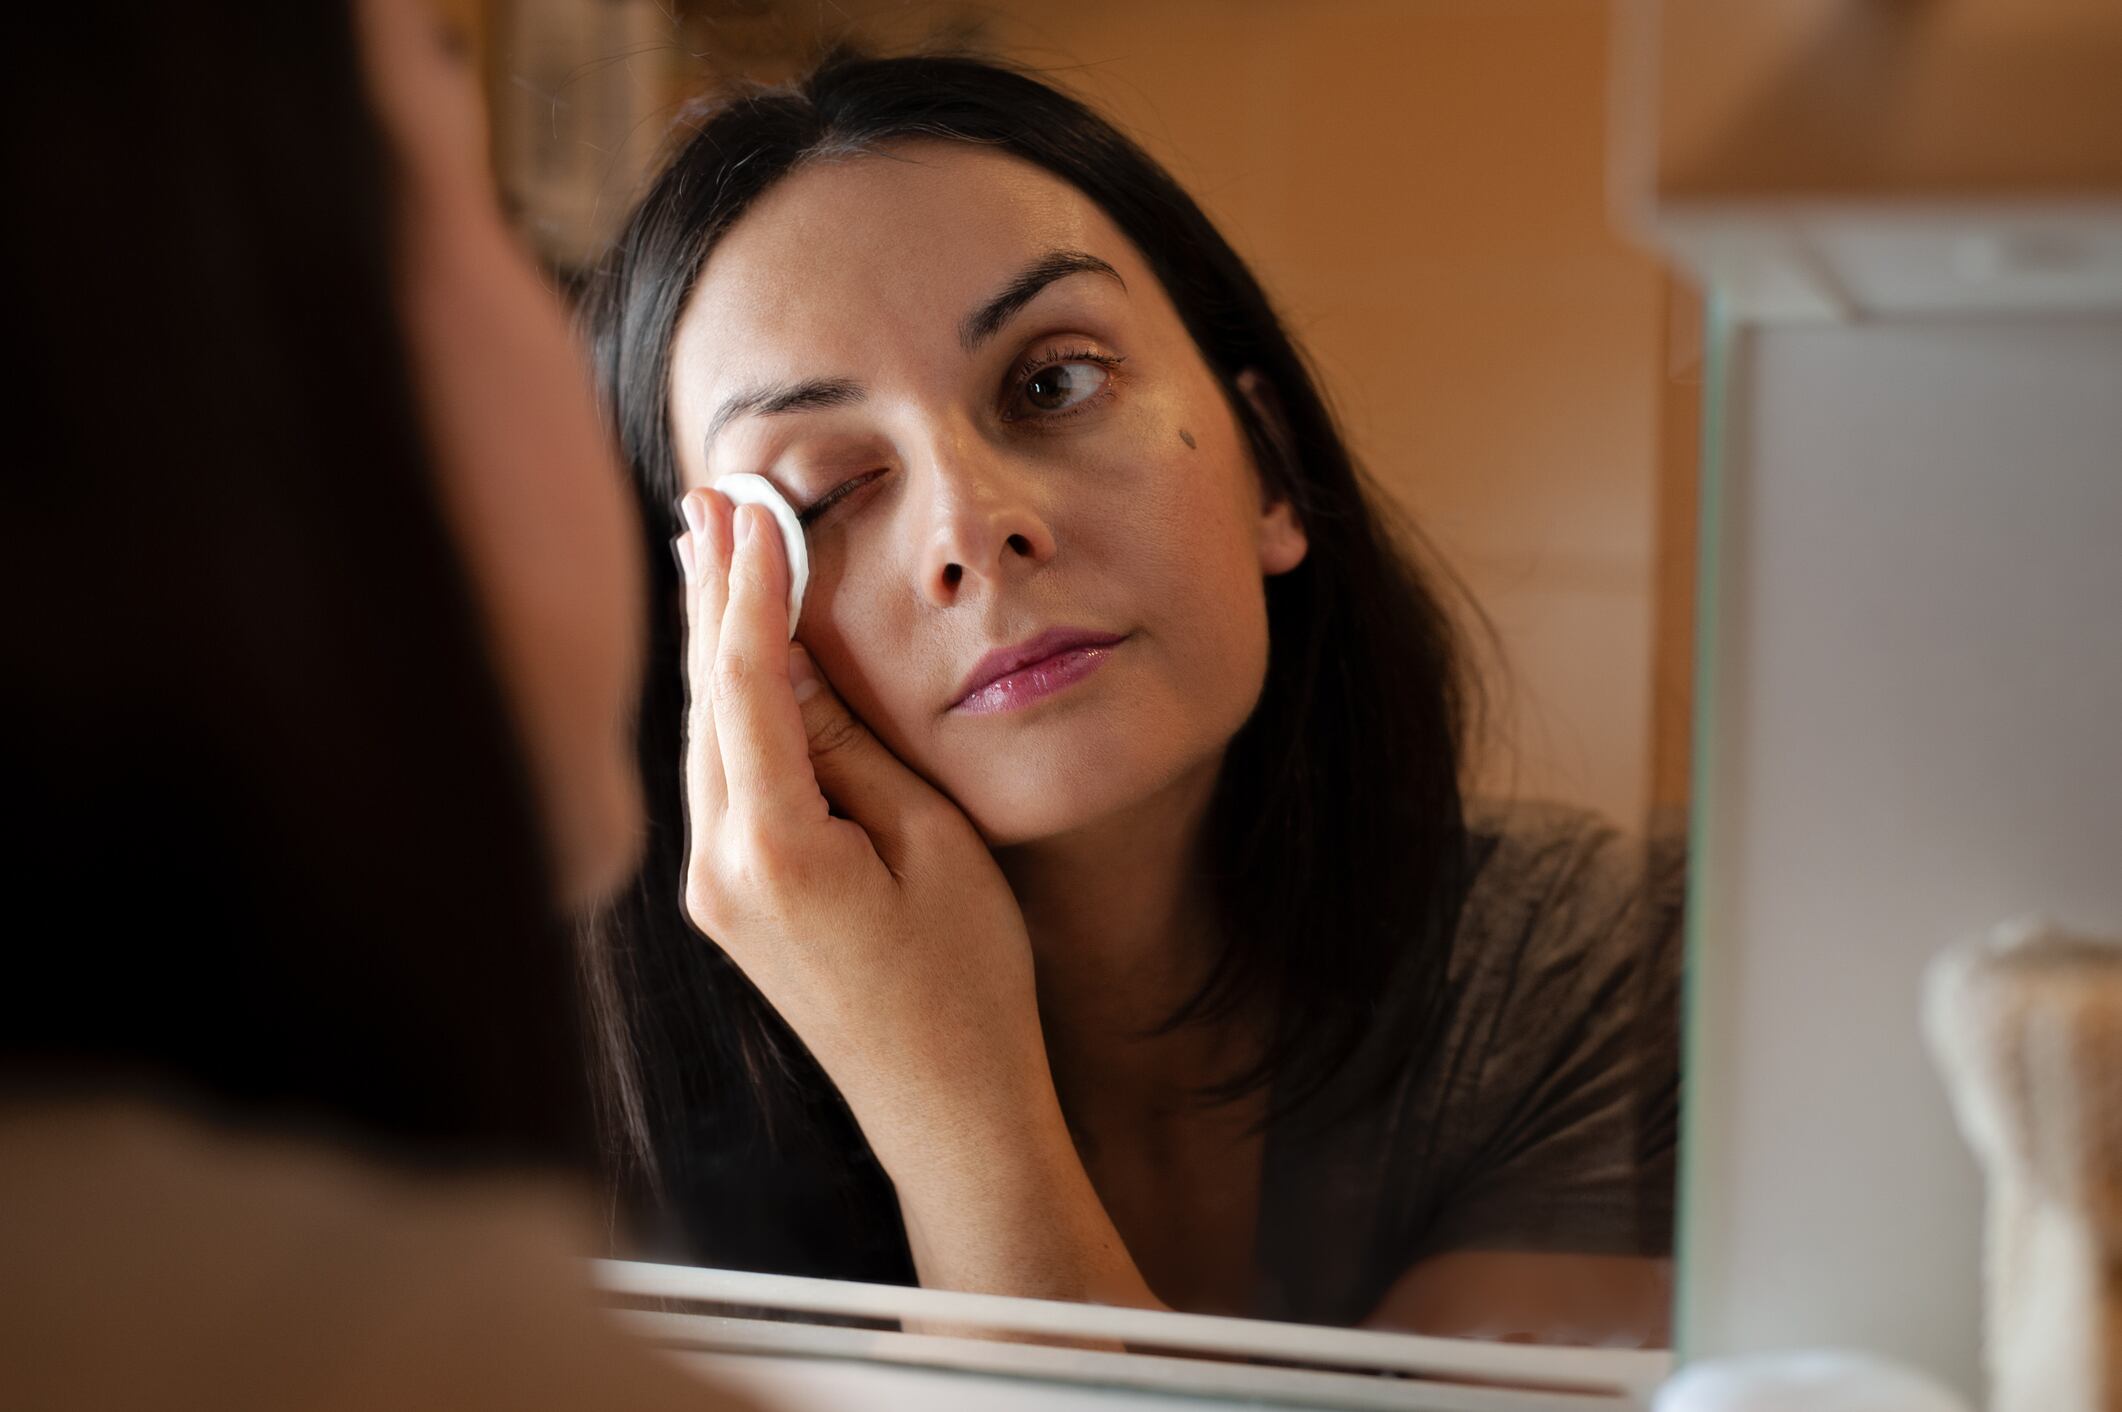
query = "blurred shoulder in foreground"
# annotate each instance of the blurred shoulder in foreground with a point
(156, 1261)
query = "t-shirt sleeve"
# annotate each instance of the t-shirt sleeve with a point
(1564, 1077)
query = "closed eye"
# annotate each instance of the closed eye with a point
(832, 497)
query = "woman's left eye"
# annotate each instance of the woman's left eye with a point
(1059, 383)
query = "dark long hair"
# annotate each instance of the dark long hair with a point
(275, 849)
(1337, 839)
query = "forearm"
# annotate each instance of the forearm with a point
(997, 1201)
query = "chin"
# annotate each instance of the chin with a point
(1039, 794)
(1013, 823)
(1034, 806)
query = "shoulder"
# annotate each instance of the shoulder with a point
(1557, 1086)
(1537, 843)
(1558, 882)
(152, 1256)
(1567, 955)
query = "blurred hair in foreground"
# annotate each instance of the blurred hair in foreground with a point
(270, 814)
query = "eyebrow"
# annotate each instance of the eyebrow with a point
(974, 330)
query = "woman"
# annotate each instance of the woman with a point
(323, 620)
(1093, 892)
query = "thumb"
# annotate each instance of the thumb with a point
(858, 776)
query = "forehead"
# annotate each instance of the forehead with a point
(906, 240)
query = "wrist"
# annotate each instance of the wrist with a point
(999, 1131)
(1024, 1224)
(923, 1101)
(996, 1200)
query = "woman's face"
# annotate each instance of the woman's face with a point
(990, 457)
(528, 480)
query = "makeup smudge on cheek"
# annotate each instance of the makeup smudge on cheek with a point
(1187, 437)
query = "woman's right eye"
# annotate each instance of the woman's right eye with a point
(834, 496)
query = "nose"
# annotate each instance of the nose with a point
(987, 525)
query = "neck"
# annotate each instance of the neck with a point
(1122, 929)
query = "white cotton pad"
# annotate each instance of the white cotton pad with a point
(745, 489)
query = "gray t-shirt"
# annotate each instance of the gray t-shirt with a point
(1546, 1116)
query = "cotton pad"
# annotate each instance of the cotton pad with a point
(758, 490)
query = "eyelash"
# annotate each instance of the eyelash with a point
(1038, 363)
(1054, 357)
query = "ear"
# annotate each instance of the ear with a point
(1282, 539)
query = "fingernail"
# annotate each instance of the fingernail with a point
(802, 673)
(695, 513)
(747, 517)
(688, 561)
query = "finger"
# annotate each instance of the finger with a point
(706, 545)
(859, 776)
(764, 758)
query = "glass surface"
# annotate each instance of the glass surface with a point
(1718, 333)
(1419, 189)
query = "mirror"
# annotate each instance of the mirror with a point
(1299, 935)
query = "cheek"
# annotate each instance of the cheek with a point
(863, 636)
(1192, 560)
(1192, 501)
(1206, 612)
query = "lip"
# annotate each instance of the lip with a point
(1035, 668)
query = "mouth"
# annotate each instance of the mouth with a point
(1014, 677)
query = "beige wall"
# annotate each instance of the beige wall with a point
(1822, 97)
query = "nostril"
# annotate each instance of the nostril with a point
(1021, 545)
(951, 574)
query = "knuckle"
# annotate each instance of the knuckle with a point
(760, 858)
(833, 732)
(747, 575)
(730, 678)
(705, 901)
(743, 878)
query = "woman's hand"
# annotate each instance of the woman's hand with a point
(884, 933)
(866, 908)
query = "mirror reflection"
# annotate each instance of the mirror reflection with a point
(1199, 832)
(1209, 845)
